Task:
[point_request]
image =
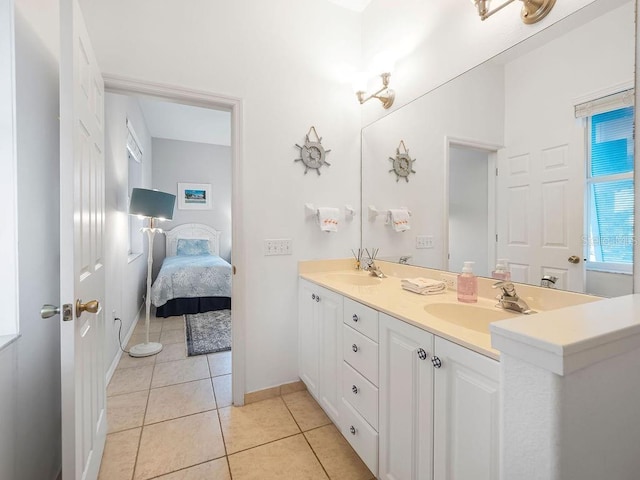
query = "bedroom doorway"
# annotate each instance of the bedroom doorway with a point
(185, 127)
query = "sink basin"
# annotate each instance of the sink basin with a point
(354, 278)
(472, 317)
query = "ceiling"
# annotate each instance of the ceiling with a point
(175, 121)
(356, 5)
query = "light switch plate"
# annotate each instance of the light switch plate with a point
(424, 241)
(277, 246)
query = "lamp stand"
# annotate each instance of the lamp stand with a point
(147, 348)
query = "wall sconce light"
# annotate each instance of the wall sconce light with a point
(532, 10)
(385, 94)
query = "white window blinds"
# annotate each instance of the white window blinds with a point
(133, 145)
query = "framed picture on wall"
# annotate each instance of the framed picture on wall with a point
(194, 196)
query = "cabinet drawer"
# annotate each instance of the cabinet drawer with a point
(361, 394)
(361, 353)
(361, 318)
(361, 436)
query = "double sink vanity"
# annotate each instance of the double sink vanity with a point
(424, 387)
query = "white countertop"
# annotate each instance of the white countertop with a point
(574, 331)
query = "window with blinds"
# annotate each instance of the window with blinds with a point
(610, 190)
(134, 180)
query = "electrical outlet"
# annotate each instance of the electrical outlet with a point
(424, 241)
(277, 246)
(450, 280)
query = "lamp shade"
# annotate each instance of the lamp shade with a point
(151, 203)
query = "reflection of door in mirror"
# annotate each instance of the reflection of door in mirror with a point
(471, 208)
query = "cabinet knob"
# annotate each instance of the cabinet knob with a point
(354, 389)
(317, 298)
(352, 429)
(354, 347)
(437, 363)
(313, 296)
(355, 318)
(422, 355)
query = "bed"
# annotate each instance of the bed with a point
(193, 278)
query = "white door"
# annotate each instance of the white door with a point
(81, 250)
(406, 401)
(466, 414)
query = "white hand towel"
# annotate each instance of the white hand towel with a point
(328, 219)
(399, 219)
(423, 286)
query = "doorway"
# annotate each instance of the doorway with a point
(470, 205)
(205, 100)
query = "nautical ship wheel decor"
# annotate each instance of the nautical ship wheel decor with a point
(402, 163)
(312, 153)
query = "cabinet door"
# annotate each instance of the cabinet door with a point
(466, 411)
(330, 352)
(308, 335)
(406, 401)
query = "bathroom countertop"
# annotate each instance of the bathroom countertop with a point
(389, 297)
(569, 331)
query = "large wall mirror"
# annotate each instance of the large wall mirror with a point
(527, 157)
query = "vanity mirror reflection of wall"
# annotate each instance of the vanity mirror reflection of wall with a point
(517, 113)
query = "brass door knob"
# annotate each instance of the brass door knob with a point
(573, 259)
(91, 307)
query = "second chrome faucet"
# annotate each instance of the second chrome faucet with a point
(509, 299)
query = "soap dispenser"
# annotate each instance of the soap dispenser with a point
(502, 270)
(467, 284)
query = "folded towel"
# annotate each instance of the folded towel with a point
(423, 286)
(328, 219)
(399, 219)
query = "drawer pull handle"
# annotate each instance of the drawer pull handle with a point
(354, 389)
(422, 355)
(437, 363)
(353, 430)
(355, 318)
(354, 347)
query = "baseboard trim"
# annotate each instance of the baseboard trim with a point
(272, 392)
(118, 356)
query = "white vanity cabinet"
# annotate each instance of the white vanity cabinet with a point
(439, 407)
(320, 345)
(466, 414)
(406, 401)
(359, 423)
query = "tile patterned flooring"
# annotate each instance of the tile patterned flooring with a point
(170, 417)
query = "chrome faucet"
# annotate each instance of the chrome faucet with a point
(509, 300)
(373, 269)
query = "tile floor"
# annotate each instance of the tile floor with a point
(170, 417)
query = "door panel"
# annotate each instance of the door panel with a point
(81, 247)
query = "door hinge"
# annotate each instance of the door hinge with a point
(496, 238)
(233, 269)
(496, 171)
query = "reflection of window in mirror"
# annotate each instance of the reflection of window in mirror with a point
(610, 190)
(134, 152)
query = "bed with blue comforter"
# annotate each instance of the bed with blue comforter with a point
(192, 284)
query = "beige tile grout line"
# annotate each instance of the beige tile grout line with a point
(305, 437)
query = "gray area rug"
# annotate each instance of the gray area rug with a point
(208, 332)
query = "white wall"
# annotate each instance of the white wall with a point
(30, 447)
(176, 161)
(285, 60)
(125, 278)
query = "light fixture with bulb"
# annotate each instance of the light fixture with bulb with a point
(384, 94)
(532, 10)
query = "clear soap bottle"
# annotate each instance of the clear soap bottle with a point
(502, 270)
(467, 284)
